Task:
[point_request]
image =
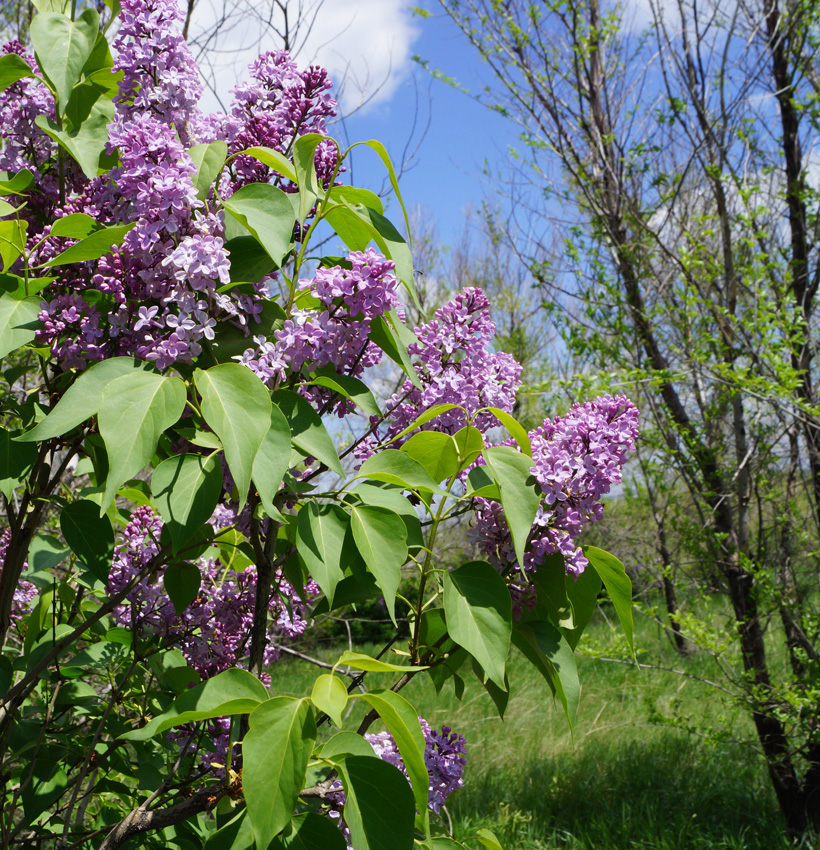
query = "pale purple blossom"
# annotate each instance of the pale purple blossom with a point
(455, 364)
(444, 758)
(335, 334)
(22, 143)
(576, 459)
(161, 77)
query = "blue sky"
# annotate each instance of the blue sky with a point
(446, 173)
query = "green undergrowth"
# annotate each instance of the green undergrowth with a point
(656, 759)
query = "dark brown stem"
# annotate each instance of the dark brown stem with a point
(143, 819)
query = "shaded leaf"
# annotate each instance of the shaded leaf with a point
(16, 460)
(236, 834)
(548, 651)
(617, 584)
(182, 583)
(45, 553)
(271, 460)
(99, 656)
(186, 489)
(89, 535)
(387, 497)
(307, 430)
(550, 582)
(520, 496)
(249, 262)
(267, 213)
(233, 691)
(380, 807)
(499, 696)
(351, 388)
(304, 162)
(310, 832)
(349, 591)
(321, 532)
(386, 338)
(583, 594)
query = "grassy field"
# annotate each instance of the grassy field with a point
(626, 779)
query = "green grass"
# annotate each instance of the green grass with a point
(624, 780)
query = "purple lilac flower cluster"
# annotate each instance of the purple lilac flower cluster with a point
(272, 109)
(210, 742)
(25, 591)
(25, 145)
(455, 365)
(160, 76)
(213, 631)
(335, 331)
(444, 757)
(576, 459)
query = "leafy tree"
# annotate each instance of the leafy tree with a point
(687, 153)
(175, 341)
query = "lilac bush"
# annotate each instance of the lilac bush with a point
(179, 344)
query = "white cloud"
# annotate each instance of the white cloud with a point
(365, 44)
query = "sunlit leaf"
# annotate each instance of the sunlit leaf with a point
(275, 755)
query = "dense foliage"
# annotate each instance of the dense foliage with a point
(177, 506)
